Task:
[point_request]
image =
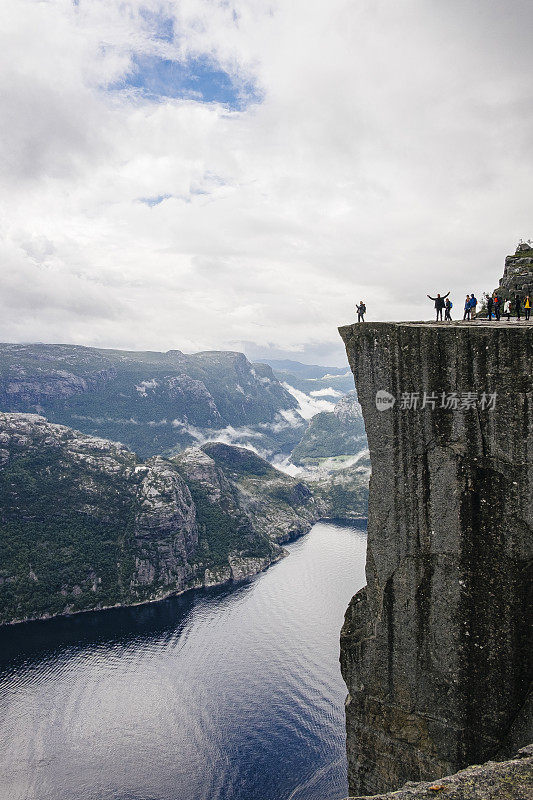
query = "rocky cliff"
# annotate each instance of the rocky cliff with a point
(85, 524)
(517, 274)
(495, 780)
(436, 649)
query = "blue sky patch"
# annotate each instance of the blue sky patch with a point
(154, 201)
(159, 25)
(197, 78)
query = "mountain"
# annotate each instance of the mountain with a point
(302, 370)
(85, 524)
(312, 379)
(333, 434)
(156, 403)
(332, 458)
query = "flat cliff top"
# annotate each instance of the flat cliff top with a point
(477, 325)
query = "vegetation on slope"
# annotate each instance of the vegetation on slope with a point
(85, 524)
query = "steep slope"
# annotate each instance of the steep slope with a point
(436, 649)
(281, 507)
(84, 524)
(343, 490)
(331, 434)
(153, 402)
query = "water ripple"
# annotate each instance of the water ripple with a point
(230, 694)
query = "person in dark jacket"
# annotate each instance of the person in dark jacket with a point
(497, 307)
(517, 305)
(439, 304)
(448, 305)
(468, 308)
(361, 311)
(490, 307)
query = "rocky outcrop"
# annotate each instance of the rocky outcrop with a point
(495, 780)
(436, 649)
(518, 274)
(281, 507)
(85, 524)
(165, 528)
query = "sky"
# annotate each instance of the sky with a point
(237, 174)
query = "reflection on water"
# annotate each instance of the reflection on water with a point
(230, 693)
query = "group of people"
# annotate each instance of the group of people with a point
(495, 307)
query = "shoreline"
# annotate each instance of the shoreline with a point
(173, 593)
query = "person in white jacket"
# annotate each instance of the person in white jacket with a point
(508, 309)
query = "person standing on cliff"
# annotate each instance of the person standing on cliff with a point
(517, 305)
(473, 305)
(361, 311)
(490, 306)
(507, 308)
(527, 307)
(468, 308)
(448, 305)
(497, 307)
(439, 304)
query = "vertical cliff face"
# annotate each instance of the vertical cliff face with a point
(435, 650)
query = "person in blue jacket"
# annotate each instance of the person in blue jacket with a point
(468, 308)
(473, 305)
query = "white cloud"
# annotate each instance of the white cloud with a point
(327, 392)
(389, 158)
(308, 406)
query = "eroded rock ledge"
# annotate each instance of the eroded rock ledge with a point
(495, 780)
(436, 649)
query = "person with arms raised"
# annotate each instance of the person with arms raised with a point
(439, 304)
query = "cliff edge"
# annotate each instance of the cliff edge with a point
(495, 780)
(436, 649)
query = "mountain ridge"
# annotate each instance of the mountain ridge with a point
(85, 524)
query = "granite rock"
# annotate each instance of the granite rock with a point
(494, 780)
(436, 649)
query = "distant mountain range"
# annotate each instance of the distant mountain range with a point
(153, 402)
(120, 481)
(315, 380)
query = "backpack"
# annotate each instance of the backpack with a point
(451, 304)
(363, 308)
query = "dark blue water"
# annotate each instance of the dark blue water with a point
(209, 696)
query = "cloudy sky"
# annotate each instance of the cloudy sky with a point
(207, 174)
